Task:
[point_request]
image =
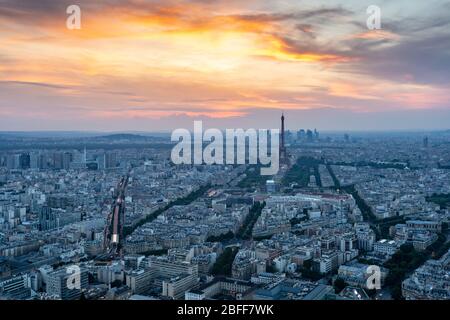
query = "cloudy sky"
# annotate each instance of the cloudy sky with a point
(158, 65)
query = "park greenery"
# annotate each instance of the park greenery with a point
(300, 172)
(261, 238)
(245, 232)
(160, 252)
(407, 259)
(339, 285)
(308, 272)
(223, 237)
(366, 210)
(253, 178)
(224, 262)
(298, 219)
(443, 200)
(372, 164)
(337, 184)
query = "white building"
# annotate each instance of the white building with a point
(386, 247)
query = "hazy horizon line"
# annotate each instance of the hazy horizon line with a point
(416, 130)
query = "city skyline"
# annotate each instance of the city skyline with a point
(156, 66)
(347, 217)
(216, 157)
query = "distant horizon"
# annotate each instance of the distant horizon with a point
(324, 119)
(140, 132)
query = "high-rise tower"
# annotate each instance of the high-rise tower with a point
(282, 131)
(283, 157)
(425, 142)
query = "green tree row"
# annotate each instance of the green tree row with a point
(182, 201)
(224, 262)
(300, 172)
(245, 232)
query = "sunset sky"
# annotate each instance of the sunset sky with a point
(159, 65)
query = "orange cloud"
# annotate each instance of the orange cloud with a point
(186, 58)
(376, 35)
